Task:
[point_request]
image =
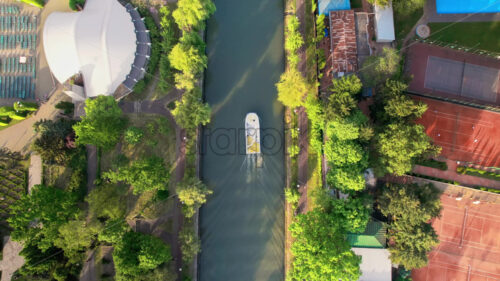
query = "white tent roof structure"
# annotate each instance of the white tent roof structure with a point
(98, 42)
(375, 264)
(384, 23)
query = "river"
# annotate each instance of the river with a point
(242, 224)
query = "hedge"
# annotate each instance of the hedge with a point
(478, 173)
(433, 164)
(36, 3)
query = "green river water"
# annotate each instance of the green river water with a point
(242, 224)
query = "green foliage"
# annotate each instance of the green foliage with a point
(103, 123)
(13, 181)
(76, 236)
(21, 106)
(190, 111)
(377, 69)
(433, 164)
(106, 202)
(73, 4)
(192, 193)
(291, 88)
(344, 152)
(143, 174)
(190, 14)
(406, 7)
(55, 143)
(320, 250)
(293, 40)
(397, 105)
(67, 107)
(400, 145)
(190, 244)
(188, 55)
(342, 98)
(36, 3)
(114, 231)
(478, 173)
(47, 206)
(137, 254)
(293, 150)
(410, 208)
(133, 135)
(381, 3)
(355, 212)
(346, 179)
(292, 196)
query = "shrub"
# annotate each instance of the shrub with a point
(478, 173)
(133, 135)
(67, 107)
(433, 164)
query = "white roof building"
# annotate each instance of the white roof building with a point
(384, 23)
(375, 264)
(100, 43)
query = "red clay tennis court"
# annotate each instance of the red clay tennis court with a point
(469, 247)
(465, 133)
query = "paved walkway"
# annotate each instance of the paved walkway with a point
(35, 171)
(452, 175)
(91, 167)
(302, 115)
(11, 261)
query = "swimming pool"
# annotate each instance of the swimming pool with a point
(325, 6)
(467, 6)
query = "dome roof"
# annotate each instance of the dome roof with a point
(98, 42)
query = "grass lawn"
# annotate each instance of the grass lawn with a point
(158, 140)
(480, 35)
(404, 23)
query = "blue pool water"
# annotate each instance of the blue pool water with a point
(325, 6)
(467, 6)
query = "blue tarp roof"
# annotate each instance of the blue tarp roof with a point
(325, 6)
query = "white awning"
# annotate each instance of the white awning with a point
(384, 23)
(375, 264)
(98, 42)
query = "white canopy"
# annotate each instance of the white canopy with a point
(98, 42)
(375, 264)
(384, 23)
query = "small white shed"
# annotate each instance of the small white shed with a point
(375, 264)
(384, 23)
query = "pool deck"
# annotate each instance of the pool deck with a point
(472, 17)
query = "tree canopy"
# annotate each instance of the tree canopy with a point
(190, 111)
(56, 140)
(409, 209)
(103, 123)
(136, 254)
(144, 174)
(46, 206)
(320, 249)
(342, 99)
(377, 69)
(188, 55)
(190, 14)
(192, 193)
(291, 88)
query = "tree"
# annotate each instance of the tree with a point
(46, 206)
(168, 40)
(192, 193)
(346, 179)
(342, 153)
(102, 124)
(355, 212)
(406, 7)
(113, 231)
(106, 202)
(320, 249)
(56, 140)
(293, 40)
(397, 105)
(409, 209)
(399, 145)
(190, 111)
(67, 107)
(291, 88)
(187, 56)
(190, 244)
(76, 236)
(377, 69)
(137, 254)
(133, 135)
(144, 174)
(190, 14)
(381, 3)
(342, 98)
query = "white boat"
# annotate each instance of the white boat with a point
(252, 133)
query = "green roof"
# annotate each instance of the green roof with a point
(372, 237)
